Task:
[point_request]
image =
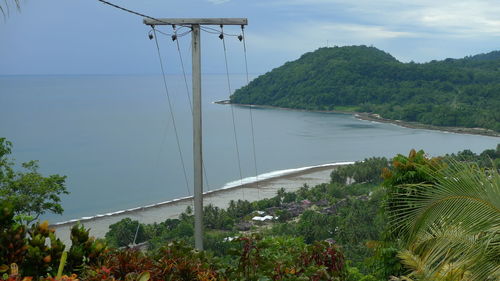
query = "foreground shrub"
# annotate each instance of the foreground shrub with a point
(36, 249)
(252, 258)
(176, 261)
(285, 258)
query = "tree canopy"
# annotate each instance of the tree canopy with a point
(30, 193)
(453, 92)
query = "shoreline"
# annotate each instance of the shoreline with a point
(290, 180)
(377, 118)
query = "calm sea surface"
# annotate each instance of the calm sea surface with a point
(113, 137)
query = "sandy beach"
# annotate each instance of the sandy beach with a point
(159, 212)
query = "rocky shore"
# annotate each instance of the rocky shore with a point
(378, 118)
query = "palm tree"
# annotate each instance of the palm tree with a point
(5, 9)
(450, 228)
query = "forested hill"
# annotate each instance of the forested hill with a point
(453, 92)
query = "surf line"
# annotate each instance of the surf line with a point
(230, 185)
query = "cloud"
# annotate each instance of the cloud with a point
(455, 18)
(462, 18)
(282, 44)
(372, 32)
(311, 35)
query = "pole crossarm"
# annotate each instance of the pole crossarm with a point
(199, 21)
(197, 120)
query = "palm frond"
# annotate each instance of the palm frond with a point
(453, 225)
(462, 194)
(4, 7)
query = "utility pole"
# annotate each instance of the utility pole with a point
(195, 24)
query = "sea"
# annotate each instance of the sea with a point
(114, 138)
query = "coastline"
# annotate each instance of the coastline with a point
(376, 118)
(265, 186)
(415, 125)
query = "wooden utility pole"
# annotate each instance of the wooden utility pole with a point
(195, 24)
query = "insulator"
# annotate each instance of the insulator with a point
(174, 37)
(221, 36)
(150, 36)
(240, 37)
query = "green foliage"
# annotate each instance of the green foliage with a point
(37, 251)
(410, 169)
(314, 226)
(454, 92)
(489, 158)
(42, 258)
(350, 215)
(30, 193)
(126, 232)
(62, 264)
(408, 174)
(252, 258)
(85, 250)
(355, 221)
(385, 261)
(121, 265)
(353, 274)
(285, 258)
(359, 222)
(180, 261)
(12, 237)
(181, 229)
(368, 170)
(241, 208)
(218, 225)
(449, 224)
(216, 242)
(217, 218)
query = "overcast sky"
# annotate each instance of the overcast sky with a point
(88, 37)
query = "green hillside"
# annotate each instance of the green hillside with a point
(453, 92)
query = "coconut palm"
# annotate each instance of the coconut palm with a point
(451, 227)
(5, 6)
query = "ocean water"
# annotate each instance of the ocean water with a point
(113, 137)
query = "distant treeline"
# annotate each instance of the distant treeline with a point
(453, 92)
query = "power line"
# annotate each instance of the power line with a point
(128, 10)
(206, 29)
(221, 36)
(174, 35)
(171, 111)
(243, 38)
(176, 39)
(216, 31)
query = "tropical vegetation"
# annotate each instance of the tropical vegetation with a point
(7, 5)
(30, 193)
(448, 221)
(453, 92)
(411, 218)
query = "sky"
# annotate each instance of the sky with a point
(88, 37)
